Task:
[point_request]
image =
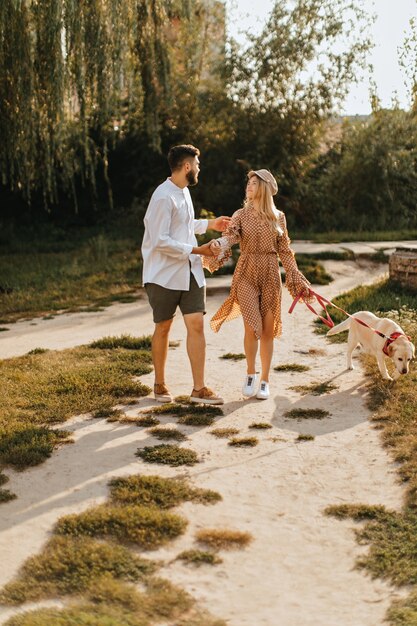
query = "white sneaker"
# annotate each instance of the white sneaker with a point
(263, 391)
(248, 388)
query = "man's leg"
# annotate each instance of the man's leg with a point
(196, 347)
(160, 342)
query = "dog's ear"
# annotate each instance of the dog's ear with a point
(391, 350)
(414, 350)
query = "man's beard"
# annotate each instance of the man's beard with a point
(192, 178)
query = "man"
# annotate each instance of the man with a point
(172, 269)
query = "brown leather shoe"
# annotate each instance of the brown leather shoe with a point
(161, 393)
(205, 396)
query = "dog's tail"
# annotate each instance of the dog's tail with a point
(340, 327)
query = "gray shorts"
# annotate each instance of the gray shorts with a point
(164, 302)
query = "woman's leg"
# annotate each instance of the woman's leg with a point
(250, 344)
(267, 344)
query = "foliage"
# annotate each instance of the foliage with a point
(168, 454)
(223, 538)
(368, 179)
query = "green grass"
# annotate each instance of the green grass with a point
(124, 341)
(69, 565)
(291, 367)
(97, 576)
(243, 442)
(199, 557)
(260, 425)
(224, 432)
(334, 236)
(47, 388)
(305, 437)
(315, 389)
(143, 526)
(6, 496)
(196, 420)
(231, 356)
(309, 414)
(164, 493)
(313, 270)
(223, 538)
(390, 535)
(67, 273)
(174, 408)
(161, 432)
(147, 420)
(168, 454)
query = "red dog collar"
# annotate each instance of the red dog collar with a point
(391, 339)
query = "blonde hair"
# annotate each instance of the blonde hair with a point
(266, 207)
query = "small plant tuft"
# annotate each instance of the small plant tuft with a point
(231, 356)
(260, 425)
(305, 437)
(6, 495)
(168, 454)
(291, 367)
(147, 420)
(309, 414)
(30, 446)
(160, 432)
(224, 432)
(164, 493)
(315, 389)
(37, 351)
(244, 442)
(223, 538)
(196, 420)
(147, 527)
(199, 557)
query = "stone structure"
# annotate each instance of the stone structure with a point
(403, 267)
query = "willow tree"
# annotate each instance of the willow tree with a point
(74, 76)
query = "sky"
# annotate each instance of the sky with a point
(388, 34)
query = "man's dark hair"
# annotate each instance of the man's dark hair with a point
(178, 154)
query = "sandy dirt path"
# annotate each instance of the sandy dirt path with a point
(299, 569)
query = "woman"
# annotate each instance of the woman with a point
(256, 286)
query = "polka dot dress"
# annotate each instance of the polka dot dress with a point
(256, 285)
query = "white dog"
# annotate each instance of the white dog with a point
(394, 343)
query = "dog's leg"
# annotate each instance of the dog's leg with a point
(351, 345)
(382, 367)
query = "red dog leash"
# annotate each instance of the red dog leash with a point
(324, 303)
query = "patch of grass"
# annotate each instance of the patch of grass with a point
(3, 479)
(334, 236)
(196, 420)
(30, 446)
(38, 351)
(127, 342)
(6, 495)
(224, 432)
(164, 493)
(174, 344)
(404, 612)
(199, 557)
(108, 412)
(315, 389)
(231, 356)
(146, 527)
(223, 538)
(172, 408)
(43, 389)
(392, 538)
(183, 400)
(161, 432)
(291, 367)
(316, 352)
(313, 270)
(244, 442)
(3, 329)
(260, 425)
(168, 454)
(147, 420)
(306, 414)
(68, 565)
(305, 437)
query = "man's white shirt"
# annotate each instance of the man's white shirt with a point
(170, 229)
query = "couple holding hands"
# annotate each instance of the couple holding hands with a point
(173, 272)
